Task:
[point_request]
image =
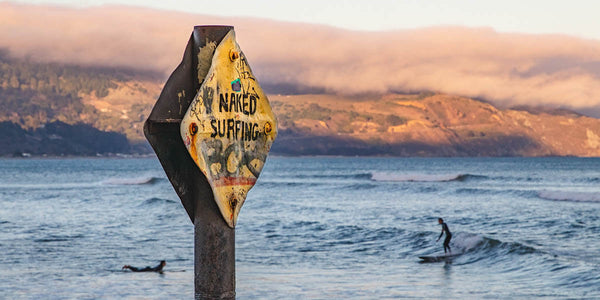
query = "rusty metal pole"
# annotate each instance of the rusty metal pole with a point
(214, 250)
(214, 242)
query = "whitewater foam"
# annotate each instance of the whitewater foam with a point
(416, 177)
(464, 242)
(569, 196)
(132, 181)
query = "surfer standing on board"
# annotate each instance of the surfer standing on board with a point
(448, 234)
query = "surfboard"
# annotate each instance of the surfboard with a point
(439, 258)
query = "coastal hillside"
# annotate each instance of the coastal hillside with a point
(109, 99)
(60, 109)
(69, 107)
(335, 91)
(428, 124)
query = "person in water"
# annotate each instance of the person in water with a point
(147, 269)
(448, 234)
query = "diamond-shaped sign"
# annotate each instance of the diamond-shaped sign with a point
(229, 128)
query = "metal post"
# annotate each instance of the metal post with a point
(214, 242)
(214, 249)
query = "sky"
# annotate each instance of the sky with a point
(574, 17)
(499, 54)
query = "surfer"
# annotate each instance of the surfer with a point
(147, 269)
(448, 235)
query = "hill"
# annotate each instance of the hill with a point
(428, 125)
(104, 104)
(73, 107)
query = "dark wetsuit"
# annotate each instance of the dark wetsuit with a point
(448, 237)
(146, 269)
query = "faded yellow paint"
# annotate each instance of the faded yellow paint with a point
(229, 128)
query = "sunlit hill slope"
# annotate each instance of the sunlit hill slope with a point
(60, 109)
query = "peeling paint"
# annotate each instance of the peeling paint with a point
(205, 55)
(229, 127)
(180, 96)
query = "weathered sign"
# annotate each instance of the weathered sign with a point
(229, 127)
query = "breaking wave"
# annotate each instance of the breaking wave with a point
(468, 242)
(338, 176)
(155, 201)
(132, 181)
(569, 196)
(424, 177)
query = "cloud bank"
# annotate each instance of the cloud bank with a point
(505, 68)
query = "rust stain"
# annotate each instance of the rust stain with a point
(193, 129)
(233, 55)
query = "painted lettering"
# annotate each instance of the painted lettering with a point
(245, 104)
(239, 103)
(214, 128)
(223, 102)
(235, 129)
(252, 105)
(230, 123)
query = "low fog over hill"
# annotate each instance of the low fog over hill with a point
(105, 67)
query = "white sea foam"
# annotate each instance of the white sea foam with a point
(464, 242)
(569, 196)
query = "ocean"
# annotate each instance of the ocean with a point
(311, 228)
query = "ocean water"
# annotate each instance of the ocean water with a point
(312, 228)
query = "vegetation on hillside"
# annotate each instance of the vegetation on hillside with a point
(32, 94)
(341, 120)
(57, 79)
(61, 109)
(37, 96)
